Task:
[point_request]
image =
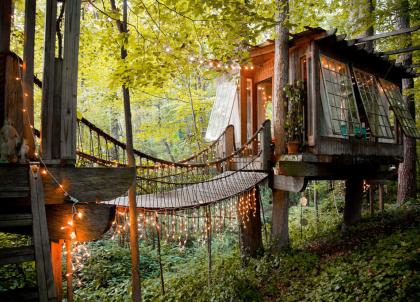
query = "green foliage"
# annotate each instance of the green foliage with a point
(13, 276)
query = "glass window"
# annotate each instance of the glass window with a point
(376, 109)
(397, 105)
(339, 102)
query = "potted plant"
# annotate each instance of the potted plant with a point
(294, 117)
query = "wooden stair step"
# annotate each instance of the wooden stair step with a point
(15, 220)
(20, 294)
(19, 254)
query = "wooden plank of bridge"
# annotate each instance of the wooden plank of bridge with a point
(70, 69)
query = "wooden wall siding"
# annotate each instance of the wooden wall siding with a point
(265, 71)
(356, 147)
(47, 106)
(14, 182)
(96, 220)
(70, 71)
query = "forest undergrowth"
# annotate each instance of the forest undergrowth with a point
(378, 260)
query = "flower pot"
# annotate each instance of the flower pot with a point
(293, 147)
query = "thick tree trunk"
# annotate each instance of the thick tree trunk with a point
(280, 220)
(250, 231)
(353, 202)
(279, 232)
(5, 30)
(134, 236)
(407, 169)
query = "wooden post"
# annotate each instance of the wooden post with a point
(209, 234)
(229, 141)
(158, 232)
(243, 106)
(28, 73)
(371, 200)
(266, 147)
(48, 81)
(70, 71)
(250, 230)
(56, 257)
(353, 202)
(69, 271)
(5, 29)
(254, 112)
(380, 197)
(45, 278)
(5, 24)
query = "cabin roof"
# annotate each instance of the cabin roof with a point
(349, 48)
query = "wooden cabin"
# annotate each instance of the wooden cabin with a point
(352, 113)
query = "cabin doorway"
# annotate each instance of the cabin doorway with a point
(264, 100)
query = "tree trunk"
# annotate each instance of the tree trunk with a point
(279, 232)
(407, 169)
(250, 231)
(134, 236)
(5, 29)
(280, 228)
(353, 202)
(370, 31)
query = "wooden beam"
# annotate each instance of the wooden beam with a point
(45, 278)
(289, 183)
(388, 34)
(28, 72)
(402, 50)
(48, 80)
(5, 24)
(70, 70)
(69, 270)
(56, 259)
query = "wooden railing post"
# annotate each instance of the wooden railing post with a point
(229, 142)
(266, 146)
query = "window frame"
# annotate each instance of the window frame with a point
(329, 120)
(368, 99)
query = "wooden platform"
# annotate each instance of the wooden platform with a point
(311, 166)
(221, 187)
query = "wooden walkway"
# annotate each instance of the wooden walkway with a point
(221, 187)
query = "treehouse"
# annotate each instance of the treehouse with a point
(345, 108)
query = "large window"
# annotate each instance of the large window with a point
(375, 106)
(396, 103)
(338, 101)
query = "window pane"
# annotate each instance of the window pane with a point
(373, 104)
(397, 105)
(339, 95)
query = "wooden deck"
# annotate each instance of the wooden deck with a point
(221, 187)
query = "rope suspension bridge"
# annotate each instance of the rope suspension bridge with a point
(217, 184)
